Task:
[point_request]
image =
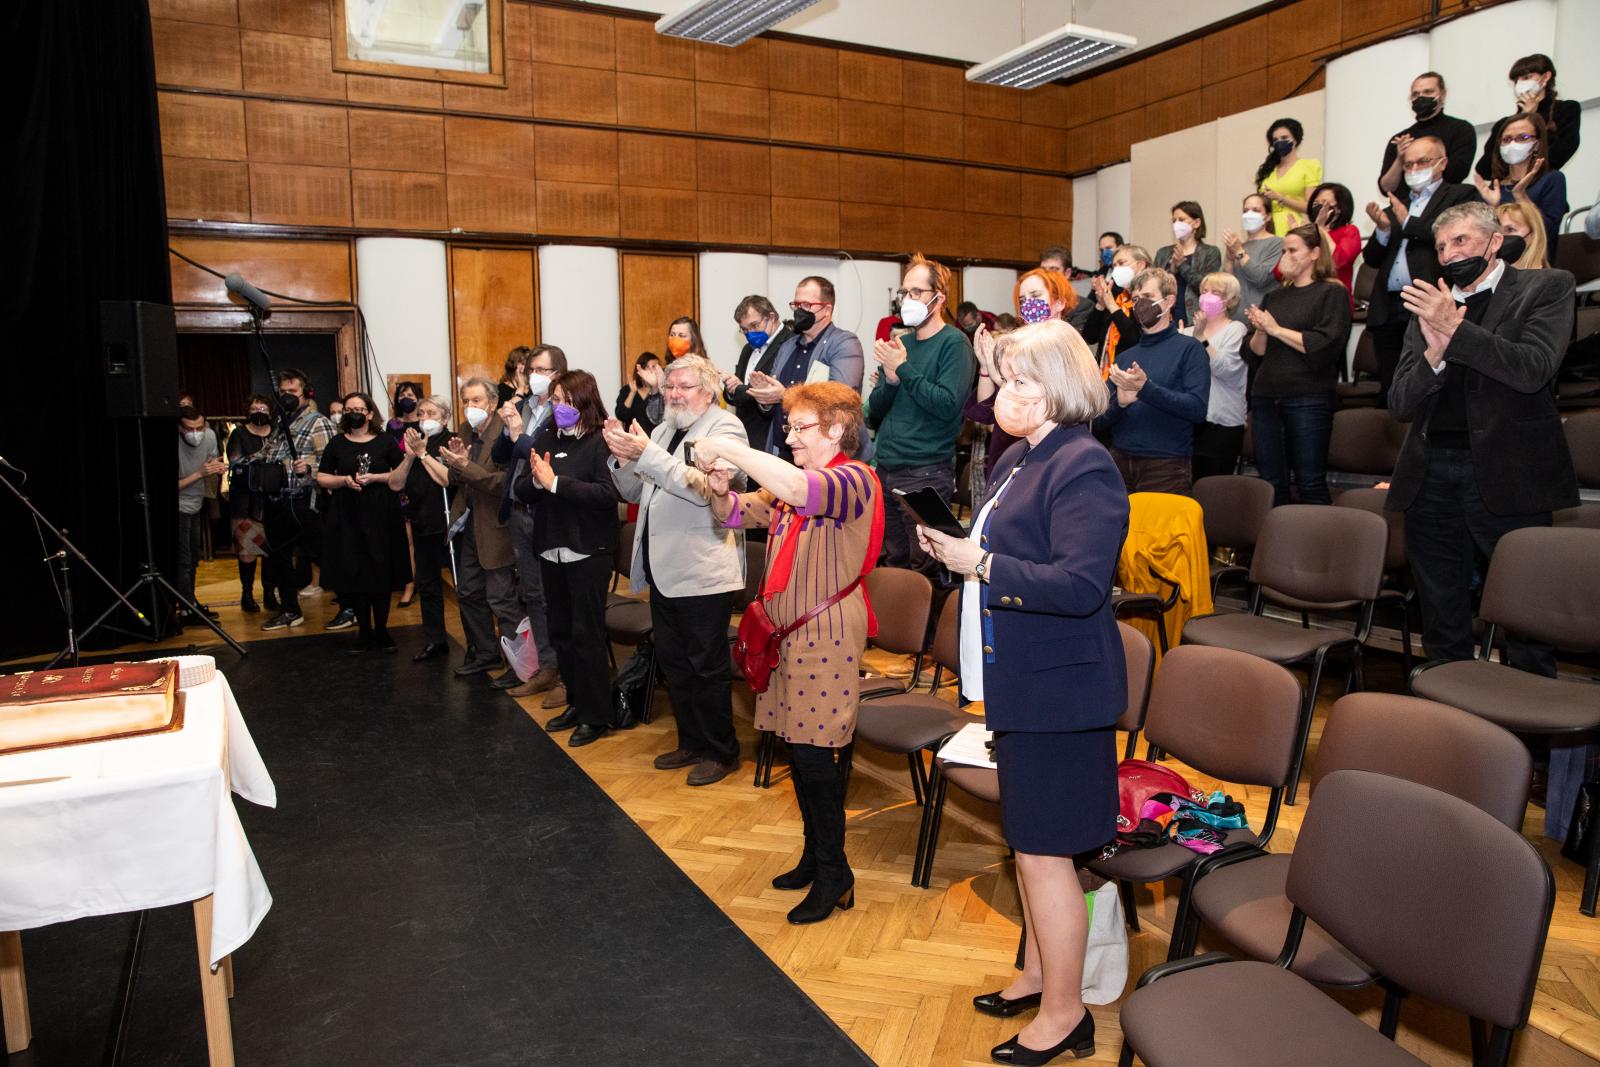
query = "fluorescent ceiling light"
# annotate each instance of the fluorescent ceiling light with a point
(1068, 50)
(728, 22)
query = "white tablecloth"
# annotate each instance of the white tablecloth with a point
(138, 823)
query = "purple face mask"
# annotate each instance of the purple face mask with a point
(1034, 309)
(566, 415)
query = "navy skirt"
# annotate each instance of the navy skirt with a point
(1058, 791)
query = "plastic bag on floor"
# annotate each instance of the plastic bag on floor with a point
(1105, 960)
(521, 653)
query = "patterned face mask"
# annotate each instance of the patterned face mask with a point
(1034, 309)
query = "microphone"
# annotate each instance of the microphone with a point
(255, 297)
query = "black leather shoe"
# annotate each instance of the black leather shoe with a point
(364, 643)
(476, 666)
(508, 680)
(385, 644)
(820, 902)
(586, 733)
(1080, 1041)
(1001, 1008)
(565, 721)
(438, 648)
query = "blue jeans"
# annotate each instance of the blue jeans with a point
(1291, 433)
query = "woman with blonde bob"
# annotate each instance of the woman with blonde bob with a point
(1040, 648)
(1219, 440)
(1521, 219)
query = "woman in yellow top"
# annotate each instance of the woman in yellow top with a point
(1284, 178)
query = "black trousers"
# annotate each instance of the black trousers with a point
(1216, 449)
(900, 548)
(191, 532)
(486, 596)
(691, 636)
(432, 558)
(1450, 537)
(294, 540)
(1388, 338)
(575, 595)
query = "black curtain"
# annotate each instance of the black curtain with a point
(85, 221)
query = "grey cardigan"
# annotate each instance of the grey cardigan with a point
(1255, 278)
(1207, 259)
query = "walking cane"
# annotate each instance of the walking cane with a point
(450, 542)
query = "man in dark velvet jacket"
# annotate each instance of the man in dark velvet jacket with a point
(1485, 454)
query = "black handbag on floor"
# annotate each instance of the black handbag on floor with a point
(631, 692)
(1582, 833)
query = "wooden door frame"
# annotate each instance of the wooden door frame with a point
(340, 322)
(626, 369)
(450, 292)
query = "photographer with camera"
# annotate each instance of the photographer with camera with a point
(284, 472)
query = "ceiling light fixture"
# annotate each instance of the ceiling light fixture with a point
(1061, 52)
(728, 22)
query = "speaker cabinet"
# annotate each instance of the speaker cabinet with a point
(139, 358)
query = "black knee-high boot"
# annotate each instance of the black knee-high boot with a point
(358, 601)
(833, 886)
(806, 870)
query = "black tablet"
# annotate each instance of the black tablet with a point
(925, 506)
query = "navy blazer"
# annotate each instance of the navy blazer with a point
(1052, 656)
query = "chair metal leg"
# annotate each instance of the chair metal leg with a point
(1389, 1023)
(764, 749)
(932, 822)
(1125, 1057)
(1405, 631)
(1130, 909)
(1161, 631)
(1307, 710)
(919, 782)
(1475, 1028)
(1132, 745)
(1022, 946)
(1591, 884)
(846, 759)
(648, 712)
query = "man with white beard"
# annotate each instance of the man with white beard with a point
(692, 564)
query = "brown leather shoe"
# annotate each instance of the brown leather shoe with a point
(556, 698)
(708, 771)
(526, 689)
(678, 757)
(543, 679)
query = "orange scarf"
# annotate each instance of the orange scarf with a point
(1108, 351)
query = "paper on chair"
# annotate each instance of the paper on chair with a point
(970, 746)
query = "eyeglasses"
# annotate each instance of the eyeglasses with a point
(798, 427)
(809, 305)
(1418, 164)
(1518, 138)
(901, 294)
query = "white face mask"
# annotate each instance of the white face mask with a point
(1416, 179)
(1122, 276)
(538, 384)
(194, 437)
(1516, 152)
(913, 312)
(1182, 230)
(476, 417)
(430, 427)
(1252, 221)
(1525, 86)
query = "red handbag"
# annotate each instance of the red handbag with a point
(756, 648)
(1137, 781)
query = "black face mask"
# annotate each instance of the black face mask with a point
(406, 405)
(1146, 312)
(288, 402)
(1463, 272)
(353, 420)
(1512, 247)
(1283, 146)
(1423, 106)
(260, 418)
(804, 319)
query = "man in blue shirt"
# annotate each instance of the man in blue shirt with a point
(1159, 389)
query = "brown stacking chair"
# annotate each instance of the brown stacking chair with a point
(621, 562)
(1396, 566)
(755, 571)
(1309, 558)
(1243, 897)
(1365, 441)
(1230, 716)
(1578, 254)
(1438, 896)
(1361, 288)
(1543, 585)
(1583, 440)
(902, 600)
(1233, 507)
(913, 723)
(984, 783)
(1362, 389)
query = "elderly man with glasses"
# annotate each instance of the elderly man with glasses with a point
(692, 564)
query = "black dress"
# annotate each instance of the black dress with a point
(364, 538)
(646, 410)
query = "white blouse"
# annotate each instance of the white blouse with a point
(971, 605)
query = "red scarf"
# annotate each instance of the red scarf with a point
(777, 576)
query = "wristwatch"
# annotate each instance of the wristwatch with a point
(981, 571)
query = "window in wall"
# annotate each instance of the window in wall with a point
(442, 40)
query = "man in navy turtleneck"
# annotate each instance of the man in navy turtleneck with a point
(1159, 389)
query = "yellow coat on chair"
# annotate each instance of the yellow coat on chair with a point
(1166, 534)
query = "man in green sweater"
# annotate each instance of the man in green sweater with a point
(915, 408)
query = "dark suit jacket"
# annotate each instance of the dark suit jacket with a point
(582, 513)
(1519, 453)
(756, 422)
(1053, 659)
(1417, 235)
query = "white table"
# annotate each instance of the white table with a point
(127, 825)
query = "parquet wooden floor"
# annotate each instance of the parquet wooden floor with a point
(898, 971)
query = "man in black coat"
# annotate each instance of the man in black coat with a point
(1459, 138)
(764, 335)
(1401, 247)
(1485, 454)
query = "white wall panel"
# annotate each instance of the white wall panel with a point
(1583, 169)
(1368, 95)
(1165, 170)
(1086, 228)
(862, 288)
(1113, 199)
(1577, 30)
(991, 288)
(1474, 53)
(405, 298)
(580, 309)
(725, 279)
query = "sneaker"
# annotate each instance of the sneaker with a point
(248, 604)
(283, 621)
(311, 590)
(342, 621)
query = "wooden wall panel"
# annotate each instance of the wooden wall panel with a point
(311, 270)
(578, 209)
(493, 307)
(393, 140)
(398, 200)
(217, 12)
(515, 97)
(655, 290)
(659, 214)
(933, 133)
(864, 76)
(872, 180)
(310, 18)
(935, 232)
(649, 100)
(863, 124)
(1175, 71)
(932, 87)
(873, 227)
(935, 185)
(296, 193)
(207, 127)
(297, 133)
(572, 38)
(802, 68)
(655, 162)
(803, 118)
(801, 223)
(519, 31)
(641, 50)
(731, 167)
(491, 205)
(490, 147)
(576, 94)
(1041, 197)
(746, 65)
(735, 110)
(576, 155)
(285, 64)
(805, 173)
(991, 101)
(394, 92)
(216, 190)
(994, 192)
(196, 55)
(735, 219)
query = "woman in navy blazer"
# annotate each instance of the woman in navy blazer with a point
(1040, 648)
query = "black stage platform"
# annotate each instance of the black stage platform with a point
(448, 889)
